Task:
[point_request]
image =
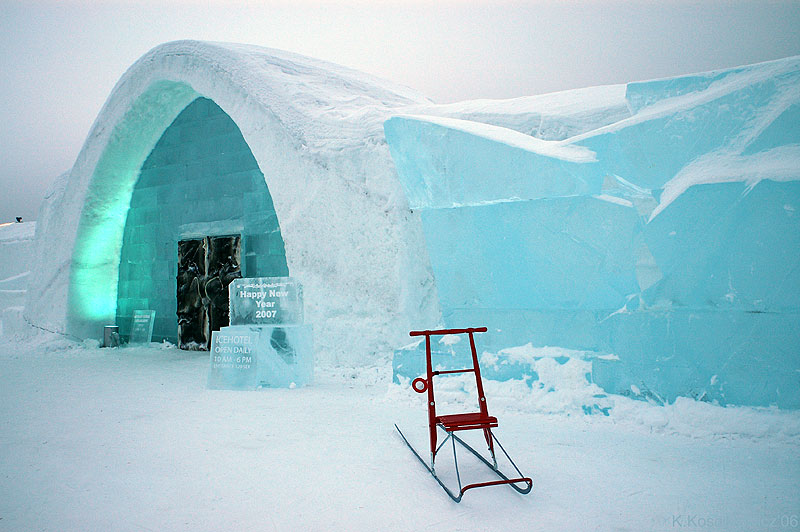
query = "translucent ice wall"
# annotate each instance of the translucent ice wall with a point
(669, 238)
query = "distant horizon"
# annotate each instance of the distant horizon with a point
(61, 59)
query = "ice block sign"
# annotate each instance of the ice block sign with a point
(234, 361)
(266, 301)
(142, 326)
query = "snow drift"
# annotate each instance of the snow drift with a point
(16, 256)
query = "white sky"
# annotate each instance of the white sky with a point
(60, 59)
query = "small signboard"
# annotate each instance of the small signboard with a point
(142, 326)
(234, 360)
(266, 301)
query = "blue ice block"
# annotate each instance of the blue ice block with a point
(234, 359)
(674, 248)
(247, 357)
(551, 253)
(446, 166)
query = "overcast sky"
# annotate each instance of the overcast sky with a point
(60, 59)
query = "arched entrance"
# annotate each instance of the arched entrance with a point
(201, 190)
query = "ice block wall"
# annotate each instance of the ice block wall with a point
(668, 239)
(200, 179)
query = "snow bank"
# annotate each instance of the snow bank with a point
(129, 439)
(557, 382)
(16, 258)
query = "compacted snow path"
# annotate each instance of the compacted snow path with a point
(130, 439)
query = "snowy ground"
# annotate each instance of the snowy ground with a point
(130, 439)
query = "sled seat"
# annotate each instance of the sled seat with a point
(474, 420)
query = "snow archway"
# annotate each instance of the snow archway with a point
(315, 130)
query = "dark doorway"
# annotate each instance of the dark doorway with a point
(206, 266)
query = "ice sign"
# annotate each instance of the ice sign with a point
(142, 326)
(234, 361)
(266, 301)
(247, 357)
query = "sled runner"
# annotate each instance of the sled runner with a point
(453, 423)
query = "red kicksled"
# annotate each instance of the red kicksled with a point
(453, 423)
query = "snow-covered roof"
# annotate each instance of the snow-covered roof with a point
(15, 232)
(317, 101)
(553, 116)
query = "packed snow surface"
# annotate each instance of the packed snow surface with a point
(130, 439)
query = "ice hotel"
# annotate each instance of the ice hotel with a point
(653, 227)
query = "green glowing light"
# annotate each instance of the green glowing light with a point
(94, 271)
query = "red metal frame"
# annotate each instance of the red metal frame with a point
(480, 420)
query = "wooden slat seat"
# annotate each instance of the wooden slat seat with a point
(473, 420)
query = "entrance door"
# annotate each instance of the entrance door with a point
(206, 266)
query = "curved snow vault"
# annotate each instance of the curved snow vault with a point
(315, 132)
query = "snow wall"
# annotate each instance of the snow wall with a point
(16, 255)
(665, 241)
(314, 132)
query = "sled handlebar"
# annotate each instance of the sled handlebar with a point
(447, 331)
